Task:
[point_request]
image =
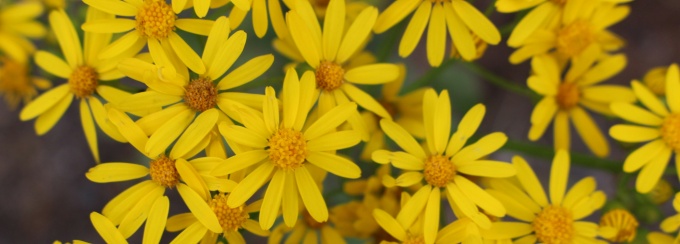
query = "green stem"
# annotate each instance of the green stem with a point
(576, 158)
(500, 81)
(428, 77)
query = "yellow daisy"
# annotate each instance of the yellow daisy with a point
(307, 230)
(662, 192)
(166, 172)
(618, 225)
(154, 25)
(565, 97)
(655, 79)
(581, 27)
(559, 220)
(458, 16)
(84, 73)
(231, 220)
(328, 51)
(19, 23)
(668, 225)
(657, 123)
(259, 15)
(17, 84)
(281, 150)
(446, 164)
(193, 107)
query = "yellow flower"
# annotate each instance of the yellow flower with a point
(307, 230)
(458, 16)
(668, 225)
(279, 146)
(565, 98)
(259, 15)
(539, 220)
(17, 84)
(18, 24)
(189, 177)
(108, 231)
(200, 6)
(231, 220)
(618, 226)
(662, 192)
(84, 73)
(192, 107)
(655, 79)
(154, 25)
(445, 165)
(656, 124)
(581, 27)
(329, 52)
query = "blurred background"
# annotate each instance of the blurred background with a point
(46, 197)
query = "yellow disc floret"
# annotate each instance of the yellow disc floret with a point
(439, 170)
(83, 81)
(568, 95)
(163, 172)
(231, 219)
(622, 220)
(574, 38)
(554, 225)
(329, 75)
(670, 131)
(155, 19)
(287, 148)
(200, 94)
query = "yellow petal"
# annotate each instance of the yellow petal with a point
(191, 234)
(436, 37)
(460, 34)
(466, 128)
(559, 175)
(334, 164)
(414, 30)
(44, 102)
(604, 70)
(402, 138)
(477, 22)
(487, 168)
(195, 133)
(643, 155)
(408, 179)
(311, 195)
(67, 38)
(357, 34)
(129, 41)
(415, 206)
(198, 26)
(633, 133)
(396, 12)
(114, 172)
(249, 185)
(259, 15)
(635, 114)
(561, 130)
(513, 207)
(240, 161)
(270, 110)
(242, 135)
(155, 223)
(291, 101)
(373, 74)
(199, 208)
(272, 200)
(333, 26)
(530, 23)
(648, 98)
(191, 177)
(218, 34)
(136, 216)
(49, 118)
(131, 131)
(508, 230)
(483, 147)
(186, 54)
(168, 132)
(582, 189)
(290, 206)
(246, 72)
(334, 141)
(106, 229)
(431, 217)
(88, 128)
(52, 64)
(304, 39)
(482, 199)
(201, 7)
(673, 88)
(529, 181)
(329, 121)
(652, 172)
(117, 25)
(429, 104)
(121, 8)
(590, 133)
(389, 224)
(365, 100)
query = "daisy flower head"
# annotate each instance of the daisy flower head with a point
(192, 107)
(154, 25)
(618, 225)
(655, 79)
(87, 76)
(656, 124)
(557, 220)
(19, 23)
(231, 221)
(446, 164)
(669, 225)
(460, 18)
(140, 202)
(329, 51)
(17, 84)
(285, 150)
(564, 98)
(583, 26)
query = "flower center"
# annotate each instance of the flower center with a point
(83, 81)
(554, 224)
(559, 2)
(670, 131)
(414, 240)
(439, 170)
(230, 218)
(568, 95)
(311, 222)
(155, 19)
(163, 172)
(329, 75)
(200, 94)
(287, 148)
(624, 222)
(574, 38)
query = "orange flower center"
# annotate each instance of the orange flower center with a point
(200, 94)
(311, 222)
(83, 81)
(231, 219)
(414, 240)
(163, 172)
(624, 222)
(287, 148)
(155, 19)
(555, 225)
(670, 131)
(574, 38)
(439, 170)
(329, 75)
(568, 95)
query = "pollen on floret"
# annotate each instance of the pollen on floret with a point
(439, 170)
(287, 148)
(231, 219)
(163, 172)
(568, 95)
(155, 19)
(622, 220)
(414, 239)
(311, 222)
(574, 38)
(554, 224)
(83, 81)
(329, 75)
(670, 131)
(200, 94)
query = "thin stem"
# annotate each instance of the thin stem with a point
(428, 77)
(500, 81)
(576, 158)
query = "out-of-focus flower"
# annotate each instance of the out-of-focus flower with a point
(618, 226)
(17, 84)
